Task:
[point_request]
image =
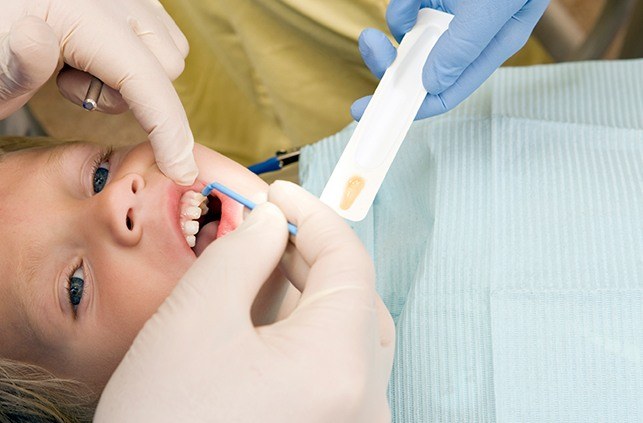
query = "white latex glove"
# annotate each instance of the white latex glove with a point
(199, 358)
(133, 46)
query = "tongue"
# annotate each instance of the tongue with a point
(206, 235)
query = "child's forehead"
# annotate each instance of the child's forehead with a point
(26, 168)
(49, 151)
(21, 191)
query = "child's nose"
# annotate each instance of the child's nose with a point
(120, 204)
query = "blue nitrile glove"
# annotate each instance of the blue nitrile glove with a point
(482, 35)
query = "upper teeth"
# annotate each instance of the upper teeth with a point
(193, 206)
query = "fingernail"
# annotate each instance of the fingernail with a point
(187, 177)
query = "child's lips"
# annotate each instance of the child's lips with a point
(231, 218)
(231, 215)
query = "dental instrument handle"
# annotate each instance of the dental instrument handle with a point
(281, 159)
(215, 186)
(93, 93)
(361, 169)
(270, 165)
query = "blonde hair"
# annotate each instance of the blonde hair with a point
(29, 393)
(13, 144)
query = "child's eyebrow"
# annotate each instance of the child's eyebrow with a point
(55, 161)
(29, 262)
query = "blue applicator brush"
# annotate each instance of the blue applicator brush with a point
(215, 186)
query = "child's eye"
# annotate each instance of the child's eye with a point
(100, 176)
(76, 286)
(100, 171)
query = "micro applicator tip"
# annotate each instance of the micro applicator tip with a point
(215, 186)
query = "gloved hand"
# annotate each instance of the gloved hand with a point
(200, 358)
(133, 46)
(481, 36)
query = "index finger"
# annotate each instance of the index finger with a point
(338, 284)
(331, 249)
(121, 60)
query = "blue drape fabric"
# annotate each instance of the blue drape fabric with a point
(508, 245)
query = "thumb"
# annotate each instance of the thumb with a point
(224, 281)
(29, 55)
(377, 51)
(452, 54)
(359, 107)
(468, 35)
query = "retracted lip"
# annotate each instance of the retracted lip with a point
(229, 213)
(174, 194)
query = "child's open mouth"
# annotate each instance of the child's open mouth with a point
(200, 220)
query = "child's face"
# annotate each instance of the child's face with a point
(121, 250)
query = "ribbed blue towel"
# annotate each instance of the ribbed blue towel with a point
(508, 244)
